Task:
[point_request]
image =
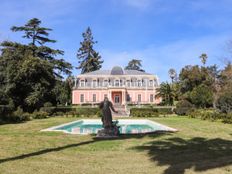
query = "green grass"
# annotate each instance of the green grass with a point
(198, 147)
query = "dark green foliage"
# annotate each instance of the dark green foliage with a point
(224, 102)
(183, 107)
(165, 110)
(40, 115)
(211, 114)
(87, 112)
(144, 112)
(34, 32)
(89, 59)
(18, 116)
(28, 73)
(227, 118)
(134, 64)
(5, 111)
(202, 96)
(166, 92)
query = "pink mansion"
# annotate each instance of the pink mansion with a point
(120, 86)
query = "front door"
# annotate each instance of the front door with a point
(116, 99)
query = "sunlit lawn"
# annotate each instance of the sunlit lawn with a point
(198, 147)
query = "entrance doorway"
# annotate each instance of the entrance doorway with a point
(117, 97)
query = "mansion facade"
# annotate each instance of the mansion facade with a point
(120, 86)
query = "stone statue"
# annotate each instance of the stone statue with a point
(110, 127)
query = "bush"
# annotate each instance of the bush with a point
(87, 112)
(164, 110)
(86, 104)
(227, 118)
(144, 112)
(18, 116)
(224, 102)
(183, 107)
(49, 110)
(39, 115)
(205, 114)
(5, 111)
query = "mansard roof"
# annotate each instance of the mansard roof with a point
(117, 70)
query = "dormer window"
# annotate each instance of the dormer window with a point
(116, 82)
(82, 84)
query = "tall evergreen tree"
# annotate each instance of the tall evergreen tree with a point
(28, 73)
(38, 37)
(134, 64)
(89, 59)
(34, 32)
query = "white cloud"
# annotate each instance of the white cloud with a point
(159, 59)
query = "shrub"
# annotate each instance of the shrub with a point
(86, 104)
(5, 111)
(227, 118)
(39, 115)
(224, 102)
(165, 110)
(49, 110)
(183, 107)
(144, 112)
(18, 116)
(87, 112)
(205, 114)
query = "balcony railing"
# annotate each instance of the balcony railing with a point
(114, 85)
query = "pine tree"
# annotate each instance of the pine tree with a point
(89, 59)
(134, 64)
(38, 37)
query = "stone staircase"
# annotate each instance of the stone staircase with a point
(122, 111)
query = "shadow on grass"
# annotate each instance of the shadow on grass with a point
(198, 153)
(94, 139)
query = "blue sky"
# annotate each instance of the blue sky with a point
(164, 34)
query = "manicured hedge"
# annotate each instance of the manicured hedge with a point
(144, 112)
(81, 111)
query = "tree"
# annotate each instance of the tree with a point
(28, 73)
(34, 32)
(202, 96)
(166, 93)
(134, 64)
(89, 59)
(203, 58)
(172, 74)
(39, 35)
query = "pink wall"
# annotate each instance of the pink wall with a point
(88, 95)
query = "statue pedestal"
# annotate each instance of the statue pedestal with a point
(111, 132)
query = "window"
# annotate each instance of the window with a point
(128, 83)
(139, 83)
(151, 98)
(128, 98)
(116, 82)
(151, 83)
(94, 97)
(139, 98)
(105, 83)
(94, 83)
(82, 84)
(105, 95)
(82, 98)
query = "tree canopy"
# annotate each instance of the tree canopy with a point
(134, 64)
(89, 59)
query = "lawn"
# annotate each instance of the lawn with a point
(198, 147)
